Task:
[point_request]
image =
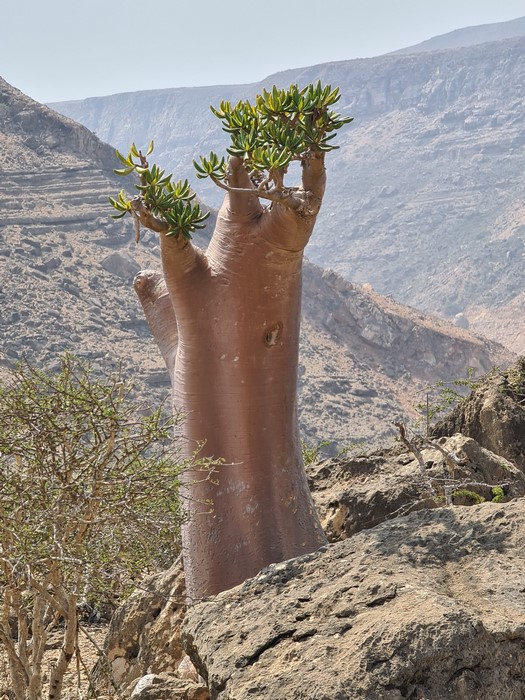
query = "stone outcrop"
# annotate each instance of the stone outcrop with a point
(166, 686)
(122, 265)
(144, 634)
(494, 414)
(427, 606)
(360, 492)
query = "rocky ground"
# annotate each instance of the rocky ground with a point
(409, 609)
(89, 655)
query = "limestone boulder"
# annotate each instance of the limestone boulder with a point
(494, 414)
(121, 264)
(144, 633)
(430, 606)
(167, 686)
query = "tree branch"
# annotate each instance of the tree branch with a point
(412, 447)
(18, 674)
(244, 198)
(314, 178)
(146, 218)
(289, 197)
(153, 295)
(70, 643)
(55, 603)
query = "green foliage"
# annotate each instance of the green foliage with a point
(171, 201)
(211, 167)
(498, 494)
(88, 482)
(89, 502)
(470, 495)
(313, 453)
(281, 126)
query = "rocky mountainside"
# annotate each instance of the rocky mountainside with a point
(425, 196)
(66, 284)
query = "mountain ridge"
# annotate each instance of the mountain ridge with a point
(469, 36)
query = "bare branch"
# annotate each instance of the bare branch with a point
(18, 672)
(68, 649)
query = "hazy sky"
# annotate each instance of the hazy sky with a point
(64, 49)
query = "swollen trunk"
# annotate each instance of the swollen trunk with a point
(235, 312)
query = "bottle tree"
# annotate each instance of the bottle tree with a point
(227, 324)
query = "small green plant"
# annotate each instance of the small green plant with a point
(470, 495)
(442, 489)
(313, 453)
(498, 494)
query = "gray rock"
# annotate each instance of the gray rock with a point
(121, 264)
(494, 415)
(461, 321)
(361, 492)
(426, 606)
(144, 632)
(146, 681)
(166, 686)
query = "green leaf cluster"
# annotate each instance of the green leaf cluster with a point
(171, 201)
(210, 167)
(121, 204)
(498, 494)
(282, 125)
